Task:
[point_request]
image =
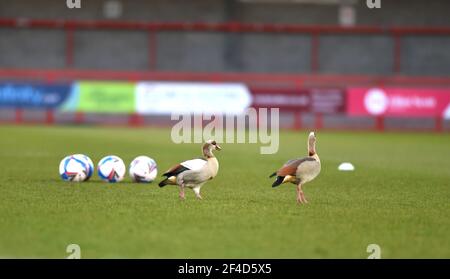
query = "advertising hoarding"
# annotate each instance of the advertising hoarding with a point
(105, 97)
(33, 95)
(399, 102)
(312, 100)
(191, 97)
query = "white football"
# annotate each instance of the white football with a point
(88, 162)
(73, 168)
(143, 169)
(111, 169)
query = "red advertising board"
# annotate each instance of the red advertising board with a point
(399, 102)
(317, 100)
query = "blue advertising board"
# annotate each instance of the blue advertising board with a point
(33, 95)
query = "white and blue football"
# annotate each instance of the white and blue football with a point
(73, 168)
(111, 169)
(89, 162)
(143, 169)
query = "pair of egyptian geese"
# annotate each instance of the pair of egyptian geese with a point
(195, 173)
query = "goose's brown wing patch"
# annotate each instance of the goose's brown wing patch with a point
(290, 168)
(175, 170)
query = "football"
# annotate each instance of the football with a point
(73, 168)
(111, 169)
(143, 169)
(88, 162)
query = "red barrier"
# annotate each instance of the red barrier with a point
(79, 118)
(275, 80)
(379, 123)
(135, 120)
(439, 124)
(18, 119)
(49, 117)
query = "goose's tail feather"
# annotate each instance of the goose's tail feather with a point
(163, 183)
(278, 181)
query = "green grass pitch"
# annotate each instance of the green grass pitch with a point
(398, 198)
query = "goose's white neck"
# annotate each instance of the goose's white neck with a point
(311, 147)
(213, 165)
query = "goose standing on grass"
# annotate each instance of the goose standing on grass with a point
(194, 173)
(300, 171)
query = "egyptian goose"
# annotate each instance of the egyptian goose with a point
(300, 171)
(194, 173)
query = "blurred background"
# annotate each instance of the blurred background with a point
(327, 64)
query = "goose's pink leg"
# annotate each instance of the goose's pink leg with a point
(304, 198)
(182, 195)
(300, 195)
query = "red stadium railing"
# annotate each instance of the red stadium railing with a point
(252, 78)
(153, 27)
